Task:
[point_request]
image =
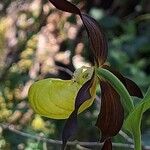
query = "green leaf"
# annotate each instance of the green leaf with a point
(119, 87)
(133, 121)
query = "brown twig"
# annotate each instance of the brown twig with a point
(58, 142)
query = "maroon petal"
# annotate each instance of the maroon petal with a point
(69, 129)
(71, 123)
(97, 39)
(111, 116)
(65, 6)
(131, 86)
(107, 145)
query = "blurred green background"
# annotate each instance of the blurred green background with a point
(37, 41)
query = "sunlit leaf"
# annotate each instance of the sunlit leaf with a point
(55, 98)
(111, 116)
(133, 121)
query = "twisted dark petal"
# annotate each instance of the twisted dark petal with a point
(71, 123)
(69, 128)
(97, 39)
(65, 6)
(131, 86)
(107, 145)
(98, 42)
(111, 116)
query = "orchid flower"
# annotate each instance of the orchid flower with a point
(65, 99)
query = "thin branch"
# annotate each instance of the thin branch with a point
(58, 142)
(125, 136)
(68, 71)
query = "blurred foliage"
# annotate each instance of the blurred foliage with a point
(36, 41)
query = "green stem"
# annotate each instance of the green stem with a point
(133, 121)
(137, 139)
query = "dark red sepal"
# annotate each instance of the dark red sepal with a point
(111, 116)
(107, 145)
(69, 128)
(98, 42)
(97, 39)
(131, 86)
(71, 124)
(65, 6)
